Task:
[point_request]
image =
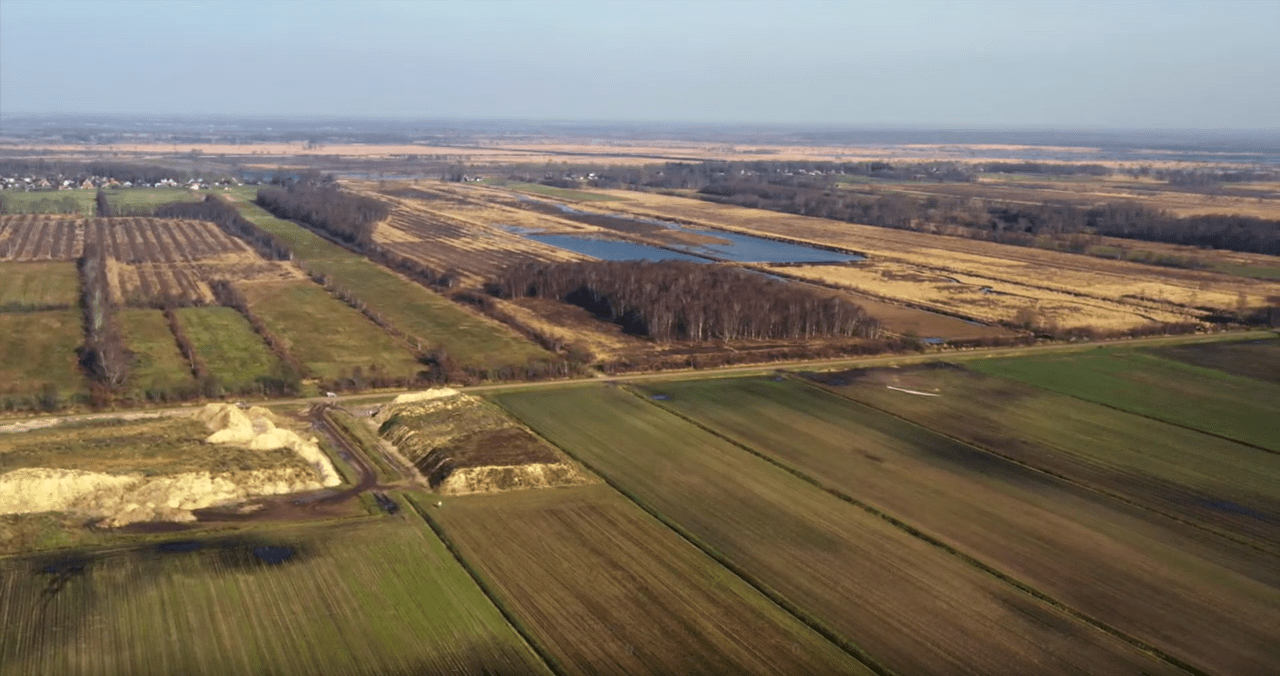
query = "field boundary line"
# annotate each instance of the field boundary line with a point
(937, 542)
(1148, 417)
(1061, 477)
(848, 646)
(507, 614)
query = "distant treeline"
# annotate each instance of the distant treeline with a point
(217, 211)
(810, 189)
(679, 300)
(120, 171)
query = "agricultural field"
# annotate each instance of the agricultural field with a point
(229, 347)
(904, 264)
(38, 357)
(1231, 406)
(469, 338)
(153, 258)
(1210, 603)
(606, 588)
(158, 367)
(38, 286)
(911, 606)
(330, 338)
(1193, 477)
(361, 598)
(39, 201)
(1253, 359)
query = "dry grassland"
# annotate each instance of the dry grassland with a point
(913, 607)
(1026, 275)
(606, 588)
(1210, 602)
(38, 285)
(38, 350)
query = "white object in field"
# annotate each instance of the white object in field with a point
(331, 395)
(903, 389)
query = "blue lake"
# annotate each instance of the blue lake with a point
(615, 249)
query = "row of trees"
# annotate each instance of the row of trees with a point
(104, 355)
(345, 216)
(679, 300)
(78, 171)
(217, 211)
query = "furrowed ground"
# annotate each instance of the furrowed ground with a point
(330, 338)
(1253, 359)
(1207, 601)
(1183, 473)
(38, 286)
(469, 338)
(38, 355)
(230, 349)
(606, 588)
(1242, 409)
(158, 365)
(373, 598)
(913, 607)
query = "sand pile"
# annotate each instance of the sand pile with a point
(425, 395)
(127, 498)
(255, 429)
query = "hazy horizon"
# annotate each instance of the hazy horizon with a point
(970, 66)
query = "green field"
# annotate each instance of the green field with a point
(158, 365)
(330, 338)
(1253, 359)
(373, 598)
(40, 201)
(232, 352)
(38, 352)
(38, 286)
(1141, 382)
(1202, 600)
(913, 607)
(469, 338)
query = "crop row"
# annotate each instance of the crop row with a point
(128, 240)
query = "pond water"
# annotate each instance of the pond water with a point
(615, 249)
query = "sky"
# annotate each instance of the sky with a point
(1111, 64)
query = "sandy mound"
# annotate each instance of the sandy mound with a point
(255, 429)
(124, 499)
(425, 395)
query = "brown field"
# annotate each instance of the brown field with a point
(1098, 285)
(154, 258)
(606, 588)
(1209, 601)
(912, 606)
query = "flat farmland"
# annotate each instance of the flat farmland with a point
(1207, 601)
(229, 347)
(373, 598)
(1253, 359)
(1238, 408)
(913, 607)
(607, 588)
(39, 237)
(38, 350)
(158, 365)
(470, 339)
(330, 338)
(1189, 475)
(1031, 273)
(38, 286)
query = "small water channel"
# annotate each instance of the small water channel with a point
(614, 249)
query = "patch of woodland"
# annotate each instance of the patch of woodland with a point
(680, 300)
(104, 356)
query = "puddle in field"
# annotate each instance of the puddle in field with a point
(660, 397)
(273, 554)
(180, 546)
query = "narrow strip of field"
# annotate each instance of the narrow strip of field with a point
(330, 338)
(913, 607)
(1141, 382)
(230, 349)
(38, 286)
(38, 355)
(1191, 476)
(158, 368)
(1253, 359)
(608, 589)
(469, 338)
(1207, 601)
(381, 598)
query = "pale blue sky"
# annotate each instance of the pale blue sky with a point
(982, 63)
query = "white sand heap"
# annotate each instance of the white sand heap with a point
(255, 429)
(425, 395)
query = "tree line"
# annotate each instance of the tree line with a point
(348, 217)
(104, 354)
(680, 300)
